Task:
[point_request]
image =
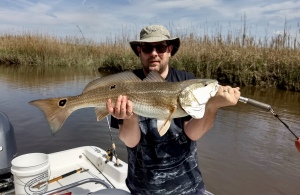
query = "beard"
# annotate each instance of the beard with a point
(160, 68)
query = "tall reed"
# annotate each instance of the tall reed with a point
(237, 59)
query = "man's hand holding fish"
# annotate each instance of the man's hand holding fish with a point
(123, 110)
(226, 96)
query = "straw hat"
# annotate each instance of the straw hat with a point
(155, 33)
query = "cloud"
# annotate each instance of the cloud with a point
(99, 18)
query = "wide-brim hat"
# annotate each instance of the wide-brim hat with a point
(155, 33)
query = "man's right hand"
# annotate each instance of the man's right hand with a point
(122, 109)
(129, 131)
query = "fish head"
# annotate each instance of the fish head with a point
(194, 97)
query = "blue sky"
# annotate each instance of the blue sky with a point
(98, 19)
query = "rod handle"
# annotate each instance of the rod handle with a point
(64, 175)
(255, 103)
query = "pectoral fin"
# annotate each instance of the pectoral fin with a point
(101, 112)
(164, 125)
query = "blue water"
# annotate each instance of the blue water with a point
(248, 151)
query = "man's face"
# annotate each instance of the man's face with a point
(155, 56)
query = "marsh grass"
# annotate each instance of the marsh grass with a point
(232, 59)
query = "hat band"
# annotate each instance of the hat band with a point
(155, 36)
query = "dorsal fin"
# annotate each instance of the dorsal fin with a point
(154, 76)
(111, 79)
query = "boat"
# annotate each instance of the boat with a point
(86, 170)
(82, 170)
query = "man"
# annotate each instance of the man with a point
(167, 164)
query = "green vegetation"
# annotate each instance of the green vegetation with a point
(232, 59)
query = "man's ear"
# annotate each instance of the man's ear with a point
(138, 48)
(170, 47)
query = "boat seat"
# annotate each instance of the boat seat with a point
(110, 192)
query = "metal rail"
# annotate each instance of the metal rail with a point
(72, 185)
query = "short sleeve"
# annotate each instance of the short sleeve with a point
(114, 123)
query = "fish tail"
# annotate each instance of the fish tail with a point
(55, 110)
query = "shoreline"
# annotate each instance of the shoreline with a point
(237, 61)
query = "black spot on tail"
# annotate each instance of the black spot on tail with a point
(62, 102)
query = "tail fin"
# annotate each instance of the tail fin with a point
(55, 110)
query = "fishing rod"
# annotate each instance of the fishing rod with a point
(112, 152)
(268, 108)
(80, 170)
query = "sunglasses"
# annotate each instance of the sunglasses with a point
(149, 48)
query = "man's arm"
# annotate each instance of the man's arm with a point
(129, 131)
(226, 96)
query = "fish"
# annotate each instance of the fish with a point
(152, 97)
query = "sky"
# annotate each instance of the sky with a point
(99, 19)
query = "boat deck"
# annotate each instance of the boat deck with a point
(91, 160)
(82, 170)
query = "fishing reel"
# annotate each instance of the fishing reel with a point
(110, 154)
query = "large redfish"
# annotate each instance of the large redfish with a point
(152, 97)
